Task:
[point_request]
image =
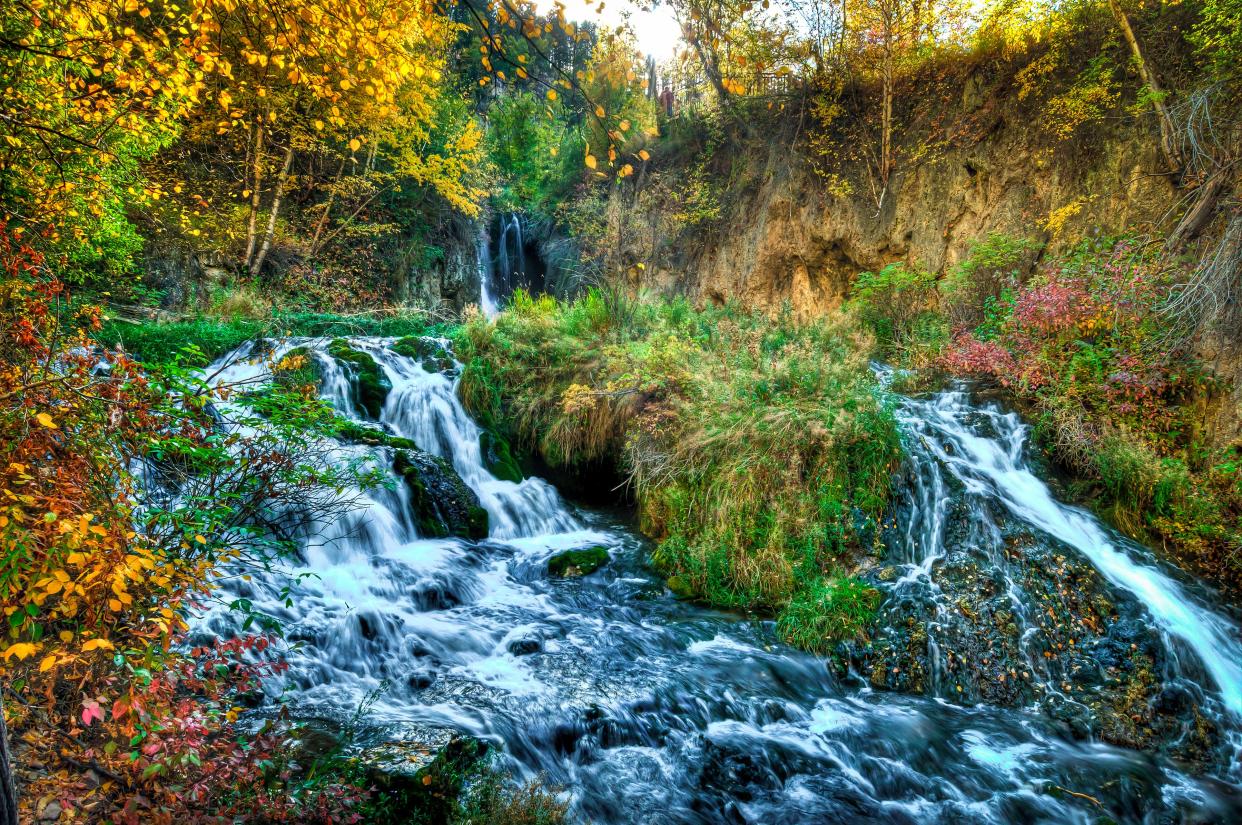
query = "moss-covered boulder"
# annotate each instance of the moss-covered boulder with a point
(442, 504)
(498, 458)
(297, 368)
(427, 774)
(370, 385)
(681, 587)
(355, 432)
(430, 352)
(582, 562)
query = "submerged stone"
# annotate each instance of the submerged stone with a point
(370, 385)
(442, 504)
(573, 563)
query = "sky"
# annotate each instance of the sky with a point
(657, 31)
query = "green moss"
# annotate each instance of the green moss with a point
(498, 458)
(680, 587)
(582, 562)
(441, 503)
(370, 385)
(356, 433)
(429, 351)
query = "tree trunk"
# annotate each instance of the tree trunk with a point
(327, 208)
(8, 786)
(256, 184)
(1200, 212)
(279, 194)
(1168, 146)
(886, 119)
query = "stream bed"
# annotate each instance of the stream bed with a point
(648, 709)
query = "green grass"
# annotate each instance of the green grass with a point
(759, 450)
(209, 337)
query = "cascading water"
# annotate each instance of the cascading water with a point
(648, 709)
(487, 301)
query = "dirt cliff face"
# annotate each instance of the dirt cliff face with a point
(789, 239)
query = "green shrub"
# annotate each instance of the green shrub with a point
(828, 610)
(898, 304)
(978, 292)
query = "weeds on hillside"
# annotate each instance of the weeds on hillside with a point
(759, 451)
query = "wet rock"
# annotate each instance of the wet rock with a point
(1026, 621)
(574, 563)
(525, 645)
(681, 587)
(498, 458)
(430, 352)
(370, 385)
(442, 504)
(425, 773)
(354, 432)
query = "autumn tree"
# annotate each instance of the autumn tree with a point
(91, 89)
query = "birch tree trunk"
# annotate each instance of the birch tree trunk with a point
(277, 196)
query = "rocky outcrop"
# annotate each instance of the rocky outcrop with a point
(794, 228)
(369, 384)
(441, 503)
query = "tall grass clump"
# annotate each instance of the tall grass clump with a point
(759, 450)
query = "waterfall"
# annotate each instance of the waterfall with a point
(982, 449)
(648, 709)
(487, 302)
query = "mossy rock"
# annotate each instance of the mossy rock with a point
(498, 458)
(370, 385)
(298, 368)
(681, 587)
(442, 504)
(428, 774)
(354, 432)
(428, 351)
(573, 563)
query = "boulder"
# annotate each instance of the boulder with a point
(442, 504)
(582, 562)
(498, 458)
(370, 385)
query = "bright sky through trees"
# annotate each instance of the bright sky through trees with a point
(656, 30)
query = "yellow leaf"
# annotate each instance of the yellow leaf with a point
(590, 161)
(200, 539)
(45, 420)
(551, 94)
(22, 650)
(599, 111)
(644, 154)
(47, 663)
(95, 644)
(354, 146)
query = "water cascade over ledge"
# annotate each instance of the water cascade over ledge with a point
(648, 709)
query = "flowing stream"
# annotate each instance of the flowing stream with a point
(646, 709)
